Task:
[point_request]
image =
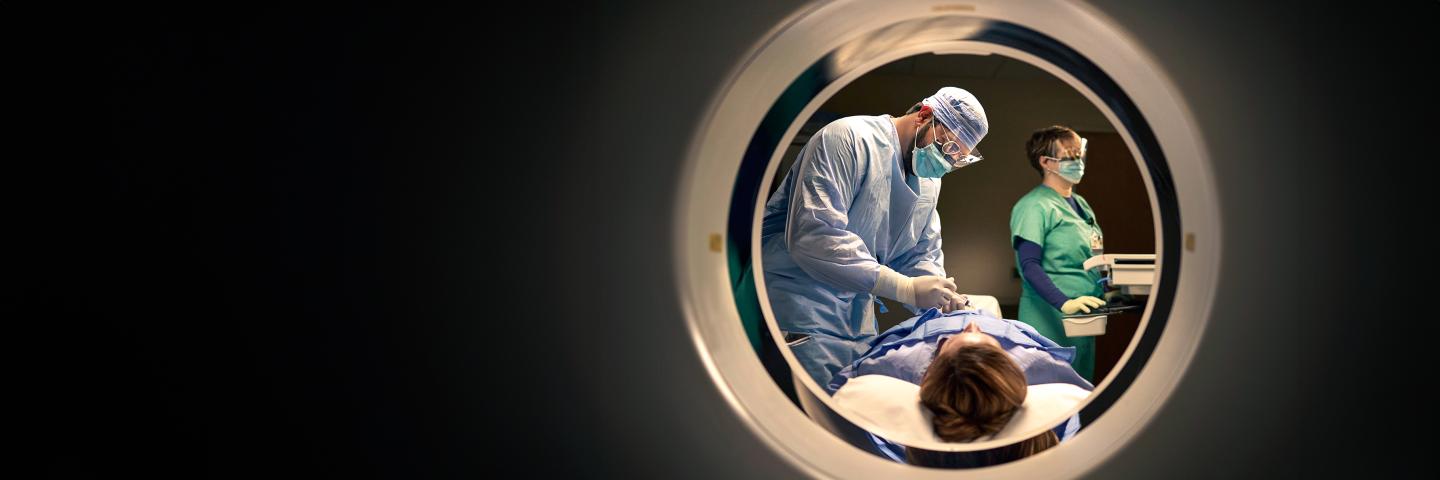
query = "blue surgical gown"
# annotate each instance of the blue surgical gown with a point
(906, 350)
(845, 208)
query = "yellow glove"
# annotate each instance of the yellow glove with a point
(1080, 304)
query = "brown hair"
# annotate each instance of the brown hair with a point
(1042, 143)
(973, 391)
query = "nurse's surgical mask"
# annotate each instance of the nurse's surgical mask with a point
(1071, 168)
(940, 157)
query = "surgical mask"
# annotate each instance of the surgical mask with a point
(1071, 170)
(930, 162)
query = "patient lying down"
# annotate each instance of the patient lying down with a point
(971, 388)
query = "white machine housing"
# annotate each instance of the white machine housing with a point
(1132, 273)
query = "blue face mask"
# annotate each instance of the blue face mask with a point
(928, 162)
(1071, 170)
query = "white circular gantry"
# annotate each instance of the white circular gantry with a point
(787, 75)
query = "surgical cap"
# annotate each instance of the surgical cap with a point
(960, 112)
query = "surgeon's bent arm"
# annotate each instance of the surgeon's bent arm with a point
(815, 232)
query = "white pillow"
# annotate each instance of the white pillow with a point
(891, 407)
(985, 303)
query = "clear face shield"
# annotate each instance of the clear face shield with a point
(1066, 155)
(954, 152)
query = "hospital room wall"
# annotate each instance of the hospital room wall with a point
(975, 202)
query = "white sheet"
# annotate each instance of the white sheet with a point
(893, 406)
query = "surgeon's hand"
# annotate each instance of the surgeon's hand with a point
(925, 291)
(935, 292)
(1081, 304)
(959, 302)
(1114, 296)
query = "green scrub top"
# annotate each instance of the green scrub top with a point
(1067, 239)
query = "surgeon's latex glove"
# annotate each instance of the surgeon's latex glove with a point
(925, 291)
(959, 302)
(1114, 296)
(1081, 304)
(933, 291)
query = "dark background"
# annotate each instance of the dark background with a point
(434, 243)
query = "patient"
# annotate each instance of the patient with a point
(905, 351)
(974, 374)
(973, 390)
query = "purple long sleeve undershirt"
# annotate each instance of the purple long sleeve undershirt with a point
(1034, 274)
(1030, 254)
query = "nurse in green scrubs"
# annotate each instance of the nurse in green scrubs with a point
(1053, 231)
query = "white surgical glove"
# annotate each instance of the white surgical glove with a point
(926, 291)
(1080, 304)
(960, 302)
(933, 291)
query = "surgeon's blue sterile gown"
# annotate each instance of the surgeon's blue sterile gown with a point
(845, 208)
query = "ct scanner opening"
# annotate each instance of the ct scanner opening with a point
(807, 61)
(974, 207)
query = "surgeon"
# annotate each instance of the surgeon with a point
(1053, 231)
(855, 219)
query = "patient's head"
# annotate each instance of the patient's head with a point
(972, 387)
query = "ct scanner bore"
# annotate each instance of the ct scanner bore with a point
(983, 38)
(821, 49)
